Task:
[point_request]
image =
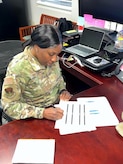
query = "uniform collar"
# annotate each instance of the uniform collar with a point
(33, 60)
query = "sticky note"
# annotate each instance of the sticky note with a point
(80, 21)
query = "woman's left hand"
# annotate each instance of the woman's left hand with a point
(65, 95)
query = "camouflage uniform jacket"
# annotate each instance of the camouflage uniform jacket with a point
(30, 87)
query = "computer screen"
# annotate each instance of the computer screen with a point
(110, 10)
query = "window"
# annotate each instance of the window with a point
(60, 4)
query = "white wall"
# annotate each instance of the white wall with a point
(35, 11)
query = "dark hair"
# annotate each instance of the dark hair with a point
(44, 36)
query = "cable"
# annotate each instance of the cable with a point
(110, 74)
(78, 61)
(70, 58)
(64, 60)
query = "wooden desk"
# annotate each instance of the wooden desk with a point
(103, 146)
(84, 74)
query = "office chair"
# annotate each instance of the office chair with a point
(26, 31)
(8, 49)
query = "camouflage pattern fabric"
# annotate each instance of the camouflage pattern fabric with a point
(30, 87)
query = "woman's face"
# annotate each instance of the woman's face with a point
(47, 56)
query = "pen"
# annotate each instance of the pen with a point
(50, 106)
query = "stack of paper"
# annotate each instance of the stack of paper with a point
(34, 151)
(85, 114)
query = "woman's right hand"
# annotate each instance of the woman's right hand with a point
(52, 113)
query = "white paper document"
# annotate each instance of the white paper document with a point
(34, 151)
(100, 110)
(85, 114)
(74, 119)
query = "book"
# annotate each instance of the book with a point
(34, 151)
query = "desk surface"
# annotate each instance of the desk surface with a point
(103, 146)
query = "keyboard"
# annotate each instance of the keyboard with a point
(83, 49)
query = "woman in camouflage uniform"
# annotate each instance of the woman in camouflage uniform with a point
(33, 82)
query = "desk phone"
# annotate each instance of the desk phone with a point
(119, 71)
(97, 63)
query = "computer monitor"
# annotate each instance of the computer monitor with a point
(110, 10)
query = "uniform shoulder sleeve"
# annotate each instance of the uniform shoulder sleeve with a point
(11, 90)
